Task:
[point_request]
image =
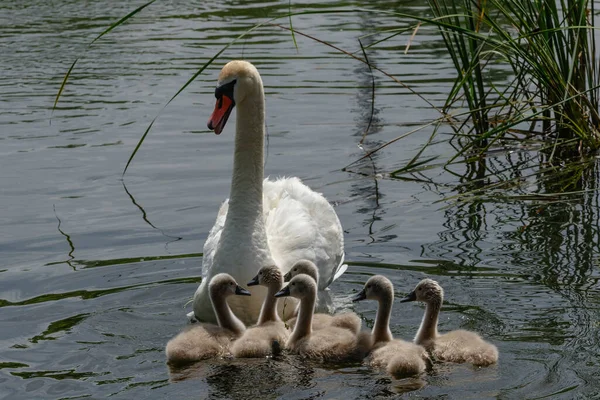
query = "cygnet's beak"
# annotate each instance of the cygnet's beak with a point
(254, 281)
(287, 277)
(412, 296)
(283, 292)
(240, 291)
(359, 296)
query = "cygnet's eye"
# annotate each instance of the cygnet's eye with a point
(296, 269)
(419, 289)
(369, 286)
(293, 284)
(260, 272)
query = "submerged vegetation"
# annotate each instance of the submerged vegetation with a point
(549, 104)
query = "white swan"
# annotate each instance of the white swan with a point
(270, 333)
(398, 357)
(330, 344)
(203, 341)
(347, 320)
(262, 223)
(457, 346)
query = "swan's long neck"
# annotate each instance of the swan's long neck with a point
(246, 197)
(268, 312)
(428, 329)
(381, 330)
(225, 317)
(304, 322)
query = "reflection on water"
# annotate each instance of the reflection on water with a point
(97, 268)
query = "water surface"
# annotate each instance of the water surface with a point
(96, 269)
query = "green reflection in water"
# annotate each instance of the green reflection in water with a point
(63, 325)
(90, 294)
(117, 261)
(58, 375)
(12, 365)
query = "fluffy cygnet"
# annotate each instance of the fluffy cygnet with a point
(398, 357)
(458, 346)
(270, 333)
(347, 320)
(330, 344)
(203, 341)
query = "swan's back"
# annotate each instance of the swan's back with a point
(464, 346)
(301, 224)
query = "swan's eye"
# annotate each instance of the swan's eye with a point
(220, 103)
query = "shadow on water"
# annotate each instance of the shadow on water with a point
(290, 377)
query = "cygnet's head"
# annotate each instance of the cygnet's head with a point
(428, 291)
(378, 288)
(237, 81)
(302, 267)
(223, 285)
(267, 276)
(301, 286)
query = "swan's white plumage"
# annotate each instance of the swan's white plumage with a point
(300, 224)
(297, 223)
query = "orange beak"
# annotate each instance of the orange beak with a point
(219, 117)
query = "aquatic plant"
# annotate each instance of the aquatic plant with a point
(550, 49)
(546, 48)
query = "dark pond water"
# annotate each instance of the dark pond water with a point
(96, 270)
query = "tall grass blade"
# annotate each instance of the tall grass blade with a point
(291, 26)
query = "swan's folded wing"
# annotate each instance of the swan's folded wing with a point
(340, 270)
(210, 246)
(301, 224)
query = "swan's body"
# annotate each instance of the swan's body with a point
(330, 344)
(398, 357)
(346, 320)
(458, 346)
(203, 341)
(270, 331)
(263, 222)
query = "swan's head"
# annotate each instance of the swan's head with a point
(223, 285)
(378, 288)
(301, 286)
(267, 276)
(237, 81)
(428, 291)
(302, 267)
